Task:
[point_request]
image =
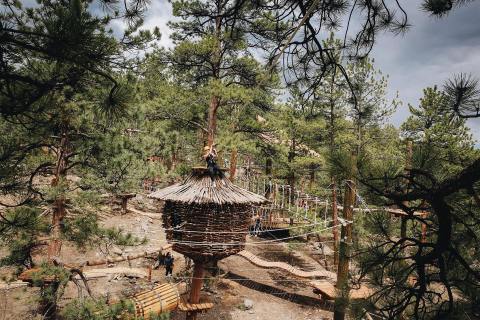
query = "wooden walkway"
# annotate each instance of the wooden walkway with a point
(325, 274)
(328, 291)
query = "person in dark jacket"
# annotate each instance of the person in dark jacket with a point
(168, 264)
(160, 260)
(210, 157)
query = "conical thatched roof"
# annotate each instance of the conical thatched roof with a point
(200, 188)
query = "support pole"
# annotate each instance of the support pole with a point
(196, 287)
(343, 290)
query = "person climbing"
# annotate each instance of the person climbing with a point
(210, 156)
(168, 261)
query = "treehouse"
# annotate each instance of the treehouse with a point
(206, 218)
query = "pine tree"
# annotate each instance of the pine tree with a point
(214, 52)
(63, 92)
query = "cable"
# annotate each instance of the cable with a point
(193, 243)
(243, 232)
(253, 279)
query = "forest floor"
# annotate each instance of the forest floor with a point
(274, 294)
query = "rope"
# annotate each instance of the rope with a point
(242, 232)
(345, 222)
(250, 279)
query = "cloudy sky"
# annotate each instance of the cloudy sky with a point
(429, 53)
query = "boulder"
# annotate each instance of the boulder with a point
(248, 304)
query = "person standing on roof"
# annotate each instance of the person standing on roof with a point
(210, 157)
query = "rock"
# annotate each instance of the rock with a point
(251, 311)
(117, 250)
(248, 304)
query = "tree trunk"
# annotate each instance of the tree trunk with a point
(311, 181)
(58, 210)
(341, 301)
(216, 62)
(408, 167)
(291, 175)
(174, 159)
(268, 166)
(233, 164)
(212, 120)
(343, 290)
(335, 222)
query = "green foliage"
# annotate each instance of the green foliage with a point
(97, 309)
(443, 145)
(19, 229)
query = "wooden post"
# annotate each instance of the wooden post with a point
(196, 287)
(343, 290)
(408, 166)
(335, 222)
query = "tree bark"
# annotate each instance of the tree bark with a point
(343, 289)
(341, 301)
(58, 210)
(212, 120)
(291, 174)
(216, 62)
(408, 167)
(268, 166)
(335, 222)
(233, 164)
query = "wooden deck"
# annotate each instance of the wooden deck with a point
(186, 306)
(331, 276)
(328, 291)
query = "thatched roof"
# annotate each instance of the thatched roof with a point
(201, 188)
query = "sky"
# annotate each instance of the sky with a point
(432, 51)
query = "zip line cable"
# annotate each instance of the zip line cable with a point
(245, 232)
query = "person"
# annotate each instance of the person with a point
(168, 261)
(256, 228)
(212, 167)
(160, 260)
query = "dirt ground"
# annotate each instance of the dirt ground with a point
(274, 294)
